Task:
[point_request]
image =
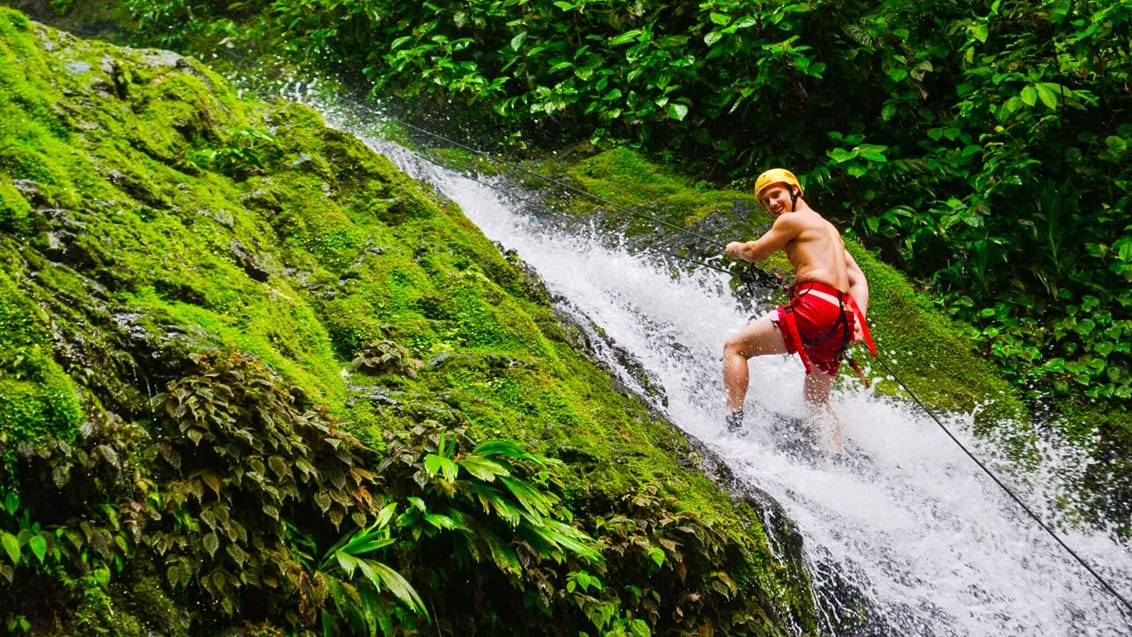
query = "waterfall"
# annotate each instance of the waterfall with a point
(908, 519)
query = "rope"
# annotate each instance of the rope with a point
(1007, 489)
(761, 276)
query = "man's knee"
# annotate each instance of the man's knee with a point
(734, 347)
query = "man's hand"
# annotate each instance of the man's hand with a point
(736, 250)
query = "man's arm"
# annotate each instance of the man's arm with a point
(858, 286)
(773, 240)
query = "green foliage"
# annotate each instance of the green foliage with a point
(248, 151)
(248, 453)
(384, 357)
(68, 526)
(1011, 203)
(492, 506)
(357, 602)
(681, 567)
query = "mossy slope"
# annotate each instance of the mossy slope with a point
(148, 216)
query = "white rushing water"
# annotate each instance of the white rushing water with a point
(911, 521)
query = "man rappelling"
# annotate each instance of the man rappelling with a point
(826, 311)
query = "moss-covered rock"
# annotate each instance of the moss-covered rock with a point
(202, 293)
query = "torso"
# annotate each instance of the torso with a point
(817, 251)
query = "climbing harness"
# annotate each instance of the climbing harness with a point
(846, 306)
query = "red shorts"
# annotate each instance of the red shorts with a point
(817, 324)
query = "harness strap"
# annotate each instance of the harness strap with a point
(846, 304)
(790, 332)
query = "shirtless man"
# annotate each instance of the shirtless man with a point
(827, 303)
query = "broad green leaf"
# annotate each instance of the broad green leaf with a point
(722, 19)
(1048, 94)
(677, 111)
(501, 554)
(441, 521)
(978, 31)
(1029, 96)
(897, 75)
(531, 498)
(511, 449)
(625, 38)
(346, 562)
(1086, 327)
(11, 546)
(399, 42)
(505, 509)
(1123, 249)
(567, 537)
(436, 464)
(366, 543)
(872, 152)
(517, 41)
(385, 515)
(841, 155)
(12, 499)
(711, 38)
(1115, 143)
(483, 468)
(211, 543)
(399, 586)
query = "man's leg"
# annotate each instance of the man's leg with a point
(822, 417)
(759, 337)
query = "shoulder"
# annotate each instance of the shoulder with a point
(800, 220)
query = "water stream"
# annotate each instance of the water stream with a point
(910, 520)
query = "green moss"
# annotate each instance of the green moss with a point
(164, 216)
(37, 399)
(625, 177)
(932, 355)
(14, 209)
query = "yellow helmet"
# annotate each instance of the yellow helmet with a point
(776, 176)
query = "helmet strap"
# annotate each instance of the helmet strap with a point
(793, 198)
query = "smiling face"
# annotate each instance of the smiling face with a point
(777, 198)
